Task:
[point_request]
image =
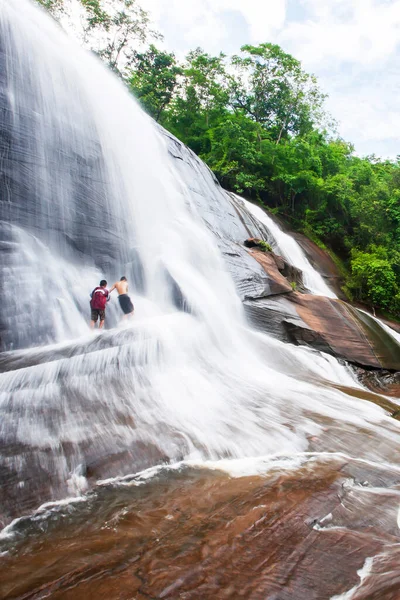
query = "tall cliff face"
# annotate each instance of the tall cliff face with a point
(58, 214)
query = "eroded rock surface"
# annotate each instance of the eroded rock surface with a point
(380, 381)
(279, 285)
(289, 535)
(329, 325)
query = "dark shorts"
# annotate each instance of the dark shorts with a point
(125, 303)
(96, 313)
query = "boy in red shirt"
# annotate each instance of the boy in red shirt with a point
(99, 298)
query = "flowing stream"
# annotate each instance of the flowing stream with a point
(291, 250)
(90, 188)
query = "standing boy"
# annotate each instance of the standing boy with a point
(99, 298)
(124, 301)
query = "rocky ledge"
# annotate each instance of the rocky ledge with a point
(381, 382)
(329, 325)
(201, 534)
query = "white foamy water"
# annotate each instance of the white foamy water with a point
(186, 379)
(363, 573)
(287, 247)
(394, 334)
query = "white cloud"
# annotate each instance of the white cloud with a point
(262, 17)
(353, 46)
(362, 31)
(202, 22)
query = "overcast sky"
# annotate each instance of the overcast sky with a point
(353, 46)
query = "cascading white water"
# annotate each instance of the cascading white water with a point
(292, 252)
(104, 199)
(393, 334)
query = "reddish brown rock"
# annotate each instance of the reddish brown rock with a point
(278, 269)
(327, 324)
(279, 283)
(350, 334)
(287, 536)
(322, 262)
(381, 382)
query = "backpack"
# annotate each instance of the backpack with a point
(99, 298)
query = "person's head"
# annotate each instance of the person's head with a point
(123, 279)
(103, 283)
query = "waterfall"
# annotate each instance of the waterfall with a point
(90, 188)
(292, 252)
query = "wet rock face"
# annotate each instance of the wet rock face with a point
(279, 284)
(326, 324)
(303, 533)
(350, 334)
(251, 279)
(322, 262)
(69, 160)
(284, 275)
(380, 381)
(265, 281)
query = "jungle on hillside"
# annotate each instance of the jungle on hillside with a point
(259, 121)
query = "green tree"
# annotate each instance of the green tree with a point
(373, 278)
(154, 79)
(202, 101)
(113, 31)
(270, 86)
(234, 155)
(54, 7)
(205, 79)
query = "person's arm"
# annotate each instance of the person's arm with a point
(113, 288)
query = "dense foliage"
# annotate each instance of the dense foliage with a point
(257, 119)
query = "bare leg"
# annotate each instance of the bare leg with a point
(128, 316)
(101, 325)
(92, 324)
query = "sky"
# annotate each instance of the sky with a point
(352, 46)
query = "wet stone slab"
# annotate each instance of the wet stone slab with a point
(191, 534)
